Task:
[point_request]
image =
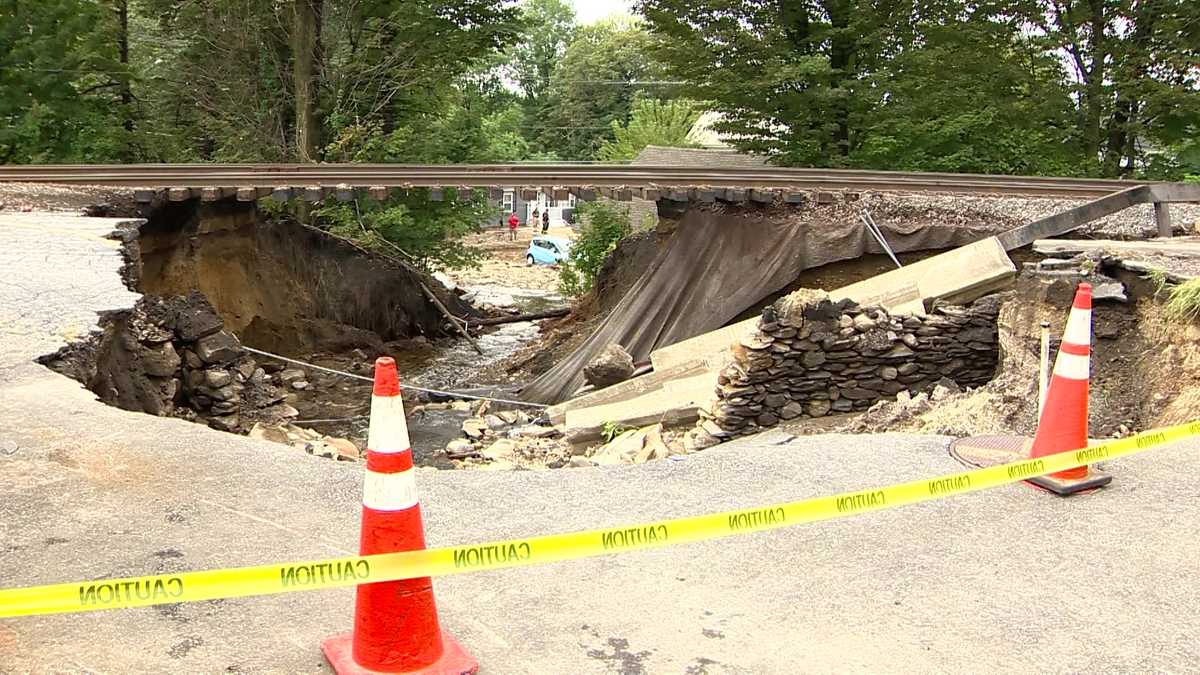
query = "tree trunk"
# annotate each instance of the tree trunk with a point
(841, 59)
(123, 48)
(306, 60)
(1094, 103)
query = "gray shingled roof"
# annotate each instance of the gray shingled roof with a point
(653, 155)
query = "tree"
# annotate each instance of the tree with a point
(787, 76)
(306, 63)
(547, 29)
(426, 233)
(652, 122)
(1010, 114)
(1134, 65)
(604, 225)
(602, 72)
(61, 83)
(944, 85)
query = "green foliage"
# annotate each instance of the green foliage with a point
(547, 29)
(426, 233)
(1157, 277)
(604, 224)
(1183, 301)
(1104, 87)
(60, 80)
(611, 430)
(595, 84)
(651, 122)
(947, 85)
(954, 114)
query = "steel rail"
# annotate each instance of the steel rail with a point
(558, 175)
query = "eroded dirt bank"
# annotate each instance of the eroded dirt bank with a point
(285, 287)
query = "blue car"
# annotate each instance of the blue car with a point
(547, 251)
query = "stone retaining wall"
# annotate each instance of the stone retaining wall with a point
(811, 357)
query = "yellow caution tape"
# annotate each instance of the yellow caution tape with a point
(353, 570)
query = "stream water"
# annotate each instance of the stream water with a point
(447, 364)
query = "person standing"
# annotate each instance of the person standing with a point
(545, 221)
(513, 221)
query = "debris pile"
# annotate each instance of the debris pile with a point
(512, 439)
(308, 440)
(506, 439)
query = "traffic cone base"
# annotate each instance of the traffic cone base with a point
(454, 660)
(1069, 486)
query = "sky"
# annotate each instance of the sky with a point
(589, 11)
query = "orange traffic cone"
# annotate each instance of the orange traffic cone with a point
(396, 626)
(1063, 425)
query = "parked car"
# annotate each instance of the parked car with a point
(547, 250)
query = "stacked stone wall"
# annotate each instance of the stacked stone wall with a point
(811, 357)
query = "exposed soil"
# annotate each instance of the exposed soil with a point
(283, 287)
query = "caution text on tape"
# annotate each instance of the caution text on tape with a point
(354, 570)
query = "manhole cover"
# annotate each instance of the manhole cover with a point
(985, 451)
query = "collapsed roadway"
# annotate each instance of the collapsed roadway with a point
(1010, 579)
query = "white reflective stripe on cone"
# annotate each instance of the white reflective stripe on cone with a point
(390, 491)
(1071, 366)
(389, 430)
(1079, 327)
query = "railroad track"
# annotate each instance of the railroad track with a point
(621, 181)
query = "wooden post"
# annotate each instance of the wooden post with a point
(1162, 218)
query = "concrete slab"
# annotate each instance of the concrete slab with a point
(678, 400)
(710, 350)
(1011, 580)
(1178, 257)
(959, 275)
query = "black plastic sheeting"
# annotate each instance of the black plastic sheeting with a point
(722, 260)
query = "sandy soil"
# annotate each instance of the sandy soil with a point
(506, 264)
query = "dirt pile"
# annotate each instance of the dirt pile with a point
(1145, 369)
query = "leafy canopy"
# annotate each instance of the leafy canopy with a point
(652, 122)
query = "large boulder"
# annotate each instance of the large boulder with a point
(221, 347)
(612, 365)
